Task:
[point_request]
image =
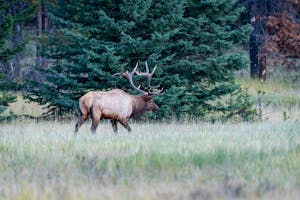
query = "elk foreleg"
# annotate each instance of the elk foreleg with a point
(124, 123)
(96, 117)
(114, 125)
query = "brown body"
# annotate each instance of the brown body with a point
(116, 105)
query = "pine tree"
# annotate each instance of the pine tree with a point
(192, 43)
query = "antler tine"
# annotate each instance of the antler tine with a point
(135, 68)
(148, 74)
(152, 90)
(147, 69)
(129, 76)
(157, 92)
(157, 86)
(126, 74)
(119, 73)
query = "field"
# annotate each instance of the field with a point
(187, 160)
(156, 161)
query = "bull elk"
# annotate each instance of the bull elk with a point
(117, 105)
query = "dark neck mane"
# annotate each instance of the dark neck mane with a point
(139, 108)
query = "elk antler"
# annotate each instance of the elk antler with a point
(129, 75)
(151, 89)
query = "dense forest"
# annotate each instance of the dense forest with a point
(55, 51)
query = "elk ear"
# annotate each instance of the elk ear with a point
(147, 97)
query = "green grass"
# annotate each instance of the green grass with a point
(156, 161)
(276, 93)
(281, 95)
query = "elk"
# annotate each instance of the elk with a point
(116, 104)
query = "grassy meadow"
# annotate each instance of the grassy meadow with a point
(188, 160)
(156, 161)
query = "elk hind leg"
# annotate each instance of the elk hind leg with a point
(84, 115)
(81, 119)
(114, 125)
(96, 117)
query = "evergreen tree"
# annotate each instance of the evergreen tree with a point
(192, 42)
(7, 25)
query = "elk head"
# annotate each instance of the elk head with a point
(152, 91)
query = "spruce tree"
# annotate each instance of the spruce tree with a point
(7, 25)
(192, 42)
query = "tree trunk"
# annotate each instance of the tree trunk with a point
(45, 17)
(39, 34)
(16, 39)
(42, 27)
(253, 56)
(258, 15)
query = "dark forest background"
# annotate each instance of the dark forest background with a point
(55, 51)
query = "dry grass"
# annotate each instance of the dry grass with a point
(157, 161)
(22, 107)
